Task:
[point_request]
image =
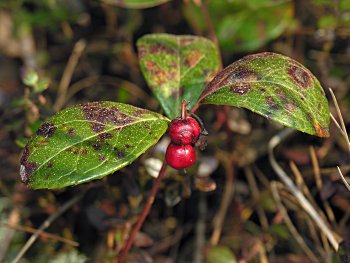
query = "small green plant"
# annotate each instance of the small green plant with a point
(92, 140)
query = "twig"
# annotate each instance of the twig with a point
(219, 218)
(290, 225)
(43, 234)
(338, 125)
(343, 127)
(46, 224)
(319, 183)
(7, 237)
(301, 184)
(80, 85)
(256, 196)
(78, 49)
(305, 204)
(120, 83)
(343, 178)
(305, 189)
(132, 88)
(144, 213)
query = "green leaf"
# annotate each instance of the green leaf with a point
(276, 87)
(30, 78)
(177, 68)
(243, 25)
(220, 254)
(136, 3)
(280, 230)
(87, 142)
(70, 256)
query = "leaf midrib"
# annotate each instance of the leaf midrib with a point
(90, 137)
(101, 174)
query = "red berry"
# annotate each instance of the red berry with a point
(184, 131)
(180, 156)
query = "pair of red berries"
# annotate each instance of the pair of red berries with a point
(184, 132)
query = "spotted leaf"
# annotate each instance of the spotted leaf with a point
(136, 4)
(276, 87)
(177, 68)
(87, 142)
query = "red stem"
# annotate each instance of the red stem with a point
(194, 108)
(144, 213)
(183, 109)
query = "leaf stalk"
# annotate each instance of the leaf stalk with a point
(144, 213)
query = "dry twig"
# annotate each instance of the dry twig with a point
(45, 225)
(72, 63)
(219, 218)
(305, 204)
(42, 234)
(342, 129)
(290, 225)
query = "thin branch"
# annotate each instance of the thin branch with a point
(290, 225)
(305, 204)
(8, 235)
(338, 125)
(42, 234)
(256, 196)
(343, 178)
(46, 224)
(72, 63)
(305, 189)
(319, 184)
(144, 213)
(227, 196)
(343, 128)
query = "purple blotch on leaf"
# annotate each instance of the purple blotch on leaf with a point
(300, 76)
(46, 129)
(101, 115)
(27, 168)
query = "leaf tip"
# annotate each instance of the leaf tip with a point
(321, 131)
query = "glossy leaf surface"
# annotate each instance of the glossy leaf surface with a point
(275, 86)
(177, 68)
(220, 254)
(88, 141)
(137, 4)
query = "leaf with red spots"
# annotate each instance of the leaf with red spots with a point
(136, 4)
(177, 68)
(87, 142)
(276, 87)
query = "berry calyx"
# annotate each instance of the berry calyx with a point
(180, 156)
(184, 131)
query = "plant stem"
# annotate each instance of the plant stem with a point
(183, 109)
(144, 213)
(194, 108)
